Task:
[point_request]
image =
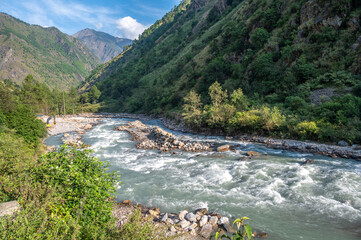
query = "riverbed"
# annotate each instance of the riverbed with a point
(284, 198)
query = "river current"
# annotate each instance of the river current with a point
(282, 197)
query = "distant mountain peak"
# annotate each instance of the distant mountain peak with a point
(102, 44)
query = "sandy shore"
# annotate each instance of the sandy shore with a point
(71, 123)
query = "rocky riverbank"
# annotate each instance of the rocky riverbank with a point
(335, 151)
(83, 122)
(156, 138)
(198, 224)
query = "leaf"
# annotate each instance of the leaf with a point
(246, 218)
(217, 235)
(225, 236)
(238, 222)
(248, 231)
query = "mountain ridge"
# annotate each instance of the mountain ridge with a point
(46, 53)
(102, 44)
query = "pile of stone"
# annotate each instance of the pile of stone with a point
(353, 152)
(199, 224)
(74, 140)
(157, 138)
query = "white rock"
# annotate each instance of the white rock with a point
(191, 217)
(164, 218)
(203, 221)
(206, 231)
(213, 220)
(223, 220)
(184, 223)
(182, 214)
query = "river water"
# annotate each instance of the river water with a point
(282, 197)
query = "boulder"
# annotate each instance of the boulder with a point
(127, 202)
(191, 217)
(153, 213)
(223, 148)
(164, 217)
(9, 208)
(253, 154)
(213, 220)
(343, 143)
(184, 223)
(223, 220)
(206, 231)
(182, 214)
(203, 221)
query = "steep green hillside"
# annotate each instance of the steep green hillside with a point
(301, 56)
(49, 55)
(103, 45)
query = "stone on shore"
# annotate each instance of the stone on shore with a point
(182, 214)
(224, 148)
(9, 208)
(191, 217)
(203, 221)
(253, 154)
(206, 231)
(184, 223)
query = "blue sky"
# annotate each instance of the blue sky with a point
(121, 18)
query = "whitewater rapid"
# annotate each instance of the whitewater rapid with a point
(284, 198)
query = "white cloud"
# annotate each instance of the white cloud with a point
(99, 25)
(129, 27)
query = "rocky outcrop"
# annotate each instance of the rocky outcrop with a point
(156, 138)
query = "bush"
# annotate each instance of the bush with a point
(307, 130)
(82, 182)
(26, 125)
(16, 158)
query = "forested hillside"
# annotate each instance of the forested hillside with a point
(52, 57)
(299, 60)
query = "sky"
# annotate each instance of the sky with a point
(120, 18)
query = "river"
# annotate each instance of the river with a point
(282, 197)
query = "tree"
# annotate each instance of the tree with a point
(259, 37)
(94, 94)
(218, 96)
(239, 100)
(192, 109)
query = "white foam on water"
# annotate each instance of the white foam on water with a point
(328, 190)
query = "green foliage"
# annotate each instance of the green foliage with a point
(192, 111)
(259, 37)
(140, 228)
(244, 231)
(307, 130)
(16, 158)
(93, 94)
(51, 56)
(26, 125)
(84, 184)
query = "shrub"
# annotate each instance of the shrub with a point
(16, 158)
(82, 182)
(26, 125)
(307, 129)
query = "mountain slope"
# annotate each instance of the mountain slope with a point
(300, 56)
(51, 56)
(103, 45)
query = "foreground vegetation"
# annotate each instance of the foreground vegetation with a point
(66, 194)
